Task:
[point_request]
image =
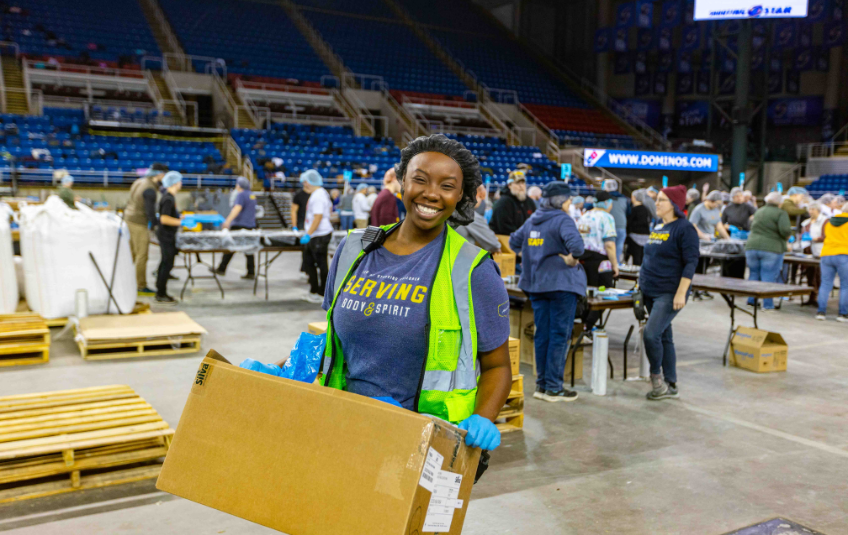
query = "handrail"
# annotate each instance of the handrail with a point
(165, 26)
(185, 62)
(805, 151)
(171, 84)
(84, 177)
(153, 89)
(839, 132)
(2, 88)
(229, 101)
(68, 68)
(247, 85)
(10, 44)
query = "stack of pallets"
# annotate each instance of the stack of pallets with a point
(24, 339)
(144, 335)
(511, 417)
(69, 440)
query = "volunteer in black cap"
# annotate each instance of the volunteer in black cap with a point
(550, 244)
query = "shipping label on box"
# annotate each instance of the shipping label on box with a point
(758, 351)
(310, 460)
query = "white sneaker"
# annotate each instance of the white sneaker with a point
(303, 276)
(842, 318)
(313, 298)
(821, 317)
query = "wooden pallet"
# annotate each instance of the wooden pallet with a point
(69, 440)
(511, 417)
(24, 339)
(138, 348)
(140, 308)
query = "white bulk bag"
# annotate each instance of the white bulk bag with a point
(8, 280)
(55, 245)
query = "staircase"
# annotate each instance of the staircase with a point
(277, 210)
(13, 81)
(169, 103)
(245, 119)
(161, 29)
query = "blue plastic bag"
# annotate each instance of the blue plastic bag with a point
(305, 358)
(303, 362)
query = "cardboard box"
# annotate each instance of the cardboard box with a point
(515, 354)
(506, 263)
(310, 460)
(504, 239)
(758, 351)
(319, 327)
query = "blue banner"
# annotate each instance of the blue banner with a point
(684, 61)
(685, 84)
(822, 59)
(622, 63)
(645, 39)
(803, 59)
(602, 40)
(664, 36)
(817, 10)
(670, 13)
(665, 61)
(640, 62)
(693, 113)
(646, 110)
(758, 58)
(642, 84)
(784, 35)
(660, 83)
(644, 13)
(775, 83)
(703, 83)
(690, 38)
(625, 15)
(798, 111)
(805, 35)
(634, 159)
(620, 42)
(793, 82)
(834, 34)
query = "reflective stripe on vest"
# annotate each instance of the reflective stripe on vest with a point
(464, 377)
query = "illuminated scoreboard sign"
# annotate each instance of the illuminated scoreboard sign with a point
(732, 9)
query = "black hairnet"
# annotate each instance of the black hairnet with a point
(471, 178)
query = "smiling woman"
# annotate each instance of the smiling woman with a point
(416, 313)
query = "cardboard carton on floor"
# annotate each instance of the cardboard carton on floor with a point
(310, 460)
(318, 327)
(758, 351)
(506, 263)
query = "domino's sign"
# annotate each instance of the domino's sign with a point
(732, 9)
(666, 161)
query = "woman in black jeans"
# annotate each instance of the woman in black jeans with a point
(671, 256)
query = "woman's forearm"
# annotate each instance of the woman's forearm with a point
(495, 382)
(683, 287)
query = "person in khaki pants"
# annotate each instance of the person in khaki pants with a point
(140, 215)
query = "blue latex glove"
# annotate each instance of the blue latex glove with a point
(270, 369)
(482, 433)
(389, 400)
(304, 239)
(294, 229)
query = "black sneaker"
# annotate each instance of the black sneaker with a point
(165, 300)
(539, 393)
(562, 395)
(218, 272)
(248, 276)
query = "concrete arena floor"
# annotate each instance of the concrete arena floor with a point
(736, 449)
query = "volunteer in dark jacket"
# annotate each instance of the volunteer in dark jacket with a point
(671, 256)
(169, 224)
(554, 280)
(241, 216)
(514, 207)
(638, 227)
(385, 209)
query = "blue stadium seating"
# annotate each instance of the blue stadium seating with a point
(254, 39)
(388, 49)
(828, 184)
(58, 132)
(329, 149)
(367, 8)
(65, 28)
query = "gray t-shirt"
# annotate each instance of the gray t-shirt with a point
(705, 219)
(381, 318)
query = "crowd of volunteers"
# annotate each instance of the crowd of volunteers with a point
(424, 269)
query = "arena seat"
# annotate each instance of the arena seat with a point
(388, 49)
(97, 30)
(329, 149)
(828, 184)
(261, 41)
(58, 131)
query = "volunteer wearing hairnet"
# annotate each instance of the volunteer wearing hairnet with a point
(319, 231)
(140, 215)
(554, 279)
(415, 313)
(242, 216)
(66, 193)
(620, 207)
(693, 199)
(795, 205)
(575, 209)
(707, 217)
(169, 223)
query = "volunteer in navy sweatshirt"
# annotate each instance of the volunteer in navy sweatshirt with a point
(671, 253)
